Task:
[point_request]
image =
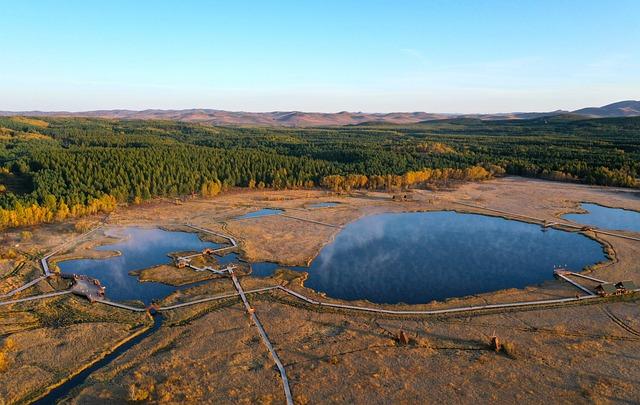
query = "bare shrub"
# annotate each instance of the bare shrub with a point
(509, 349)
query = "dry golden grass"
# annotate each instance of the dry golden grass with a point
(30, 121)
(211, 352)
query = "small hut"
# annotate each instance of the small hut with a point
(626, 286)
(606, 289)
(182, 263)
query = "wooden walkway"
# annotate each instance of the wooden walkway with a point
(227, 237)
(545, 223)
(265, 339)
(25, 286)
(311, 221)
(35, 297)
(213, 298)
(256, 321)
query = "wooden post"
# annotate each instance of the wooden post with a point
(402, 338)
(495, 343)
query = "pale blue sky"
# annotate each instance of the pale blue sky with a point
(436, 56)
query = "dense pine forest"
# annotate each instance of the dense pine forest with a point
(54, 168)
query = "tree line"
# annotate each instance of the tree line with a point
(55, 168)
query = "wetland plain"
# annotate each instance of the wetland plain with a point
(578, 351)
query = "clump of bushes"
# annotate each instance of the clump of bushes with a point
(142, 389)
(82, 226)
(509, 349)
(403, 339)
(8, 254)
(7, 346)
(505, 347)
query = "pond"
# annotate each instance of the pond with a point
(607, 218)
(324, 204)
(420, 257)
(140, 249)
(260, 213)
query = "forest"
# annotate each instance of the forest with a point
(55, 168)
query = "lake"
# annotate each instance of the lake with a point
(607, 218)
(420, 257)
(385, 258)
(140, 249)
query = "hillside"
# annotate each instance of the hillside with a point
(629, 108)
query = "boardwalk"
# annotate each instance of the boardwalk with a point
(265, 339)
(25, 286)
(545, 223)
(36, 297)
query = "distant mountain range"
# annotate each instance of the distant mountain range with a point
(306, 119)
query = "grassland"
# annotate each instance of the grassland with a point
(211, 353)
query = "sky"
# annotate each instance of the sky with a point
(465, 56)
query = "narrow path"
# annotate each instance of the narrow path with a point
(568, 280)
(119, 305)
(229, 238)
(44, 260)
(540, 303)
(311, 221)
(35, 297)
(25, 286)
(620, 322)
(265, 339)
(214, 298)
(597, 280)
(552, 224)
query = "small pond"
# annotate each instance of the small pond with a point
(607, 218)
(324, 204)
(420, 257)
(260, 213)
(140, 249)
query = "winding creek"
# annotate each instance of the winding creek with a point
(65, 388)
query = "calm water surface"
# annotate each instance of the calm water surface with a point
(607, 218)
(387, 258)
(324, 205)
(260, 213)
(419, 257)
(142, 248)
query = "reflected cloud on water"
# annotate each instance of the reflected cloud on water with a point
(419, 257)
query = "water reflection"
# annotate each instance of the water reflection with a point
(324, 205)
(260, 213)
(142, 248)
(419, 257)
(607, 218)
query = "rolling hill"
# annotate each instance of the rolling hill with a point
(308, 119)
(629, 108)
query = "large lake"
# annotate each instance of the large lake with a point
(420, 257)
(141, 248)
(607, 218)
